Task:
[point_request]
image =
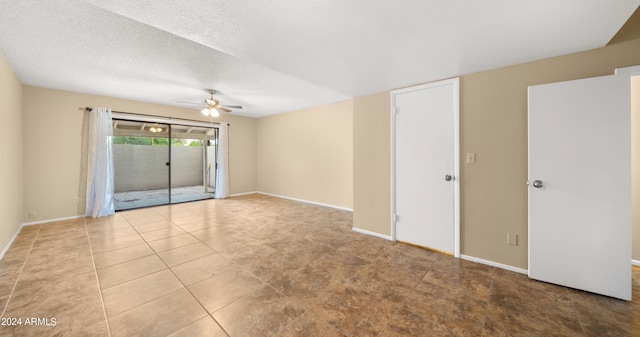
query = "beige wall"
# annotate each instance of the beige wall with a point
(308, 154)
(629, 31)
(53, 147)
(493, 124)
(11, 175)
(372, 163)
(635, 164)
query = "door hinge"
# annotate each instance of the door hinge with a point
(396, 217)
(396, 110)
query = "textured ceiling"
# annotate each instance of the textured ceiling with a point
(284, 55)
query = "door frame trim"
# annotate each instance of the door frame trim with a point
(455, 82)
(630, 71)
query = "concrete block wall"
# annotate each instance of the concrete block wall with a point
(143, 167)
(186, 166)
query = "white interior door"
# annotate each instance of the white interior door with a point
(580, 185)
(426, 165)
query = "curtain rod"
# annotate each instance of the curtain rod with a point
(147, 115)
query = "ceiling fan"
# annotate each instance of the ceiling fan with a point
(212, 107)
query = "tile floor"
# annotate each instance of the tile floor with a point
(261, 266)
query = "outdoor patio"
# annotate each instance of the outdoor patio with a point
(138, 199)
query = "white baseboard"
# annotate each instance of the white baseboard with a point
(494, 264)
(307, 201)
(243, 193)
(378, 235)
(6, 248)
(53, 220)
(635, 262)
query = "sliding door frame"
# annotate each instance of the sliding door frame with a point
(170, 122)
(162, 120)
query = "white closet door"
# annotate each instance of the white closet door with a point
(425, 182)
(580, 185)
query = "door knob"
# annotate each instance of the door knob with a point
(537, 183)
(448, 177)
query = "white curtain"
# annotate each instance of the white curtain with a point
(100, 164)
(222, 177)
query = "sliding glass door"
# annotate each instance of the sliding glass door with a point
(140, 164)
(159, 164)
(192, 166)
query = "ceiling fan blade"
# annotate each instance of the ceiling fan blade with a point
(233, 106)
(192, 103)
(219, 108)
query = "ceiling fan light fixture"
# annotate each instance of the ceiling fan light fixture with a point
(212, 107)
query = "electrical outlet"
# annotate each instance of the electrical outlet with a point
(75, 200)
(471, 158)
(512, 239)
(31, 214)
